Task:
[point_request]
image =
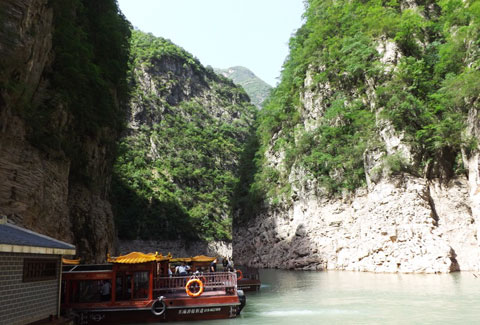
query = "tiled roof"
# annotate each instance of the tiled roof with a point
(17, 236)
(137, 257)
(199, 258)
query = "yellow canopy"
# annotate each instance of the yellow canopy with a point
(181, 259)
(137, 257)
(199, 258)
(203, 258)
(66, 261)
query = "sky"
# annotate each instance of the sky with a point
(223, 33)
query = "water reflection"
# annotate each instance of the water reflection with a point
(295, 297)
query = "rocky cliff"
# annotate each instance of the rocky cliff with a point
(370, 144)
(55, 155)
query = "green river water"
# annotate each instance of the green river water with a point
(335, 297)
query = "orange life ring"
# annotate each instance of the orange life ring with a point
(239, 274)
(194, 287)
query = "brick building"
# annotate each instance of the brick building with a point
(30, 274)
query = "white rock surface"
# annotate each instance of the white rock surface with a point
(394, 228)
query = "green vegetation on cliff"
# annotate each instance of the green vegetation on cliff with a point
(177, 166)
(424, 91)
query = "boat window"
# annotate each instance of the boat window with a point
(140, 282)
(86, 291)
(106, 290)
(123, 289)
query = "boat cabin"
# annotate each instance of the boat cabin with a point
(128, 277)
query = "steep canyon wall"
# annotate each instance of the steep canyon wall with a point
(40, 187)
(422, 219)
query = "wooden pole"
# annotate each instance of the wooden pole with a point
(59, 287)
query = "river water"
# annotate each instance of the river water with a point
(335, 297)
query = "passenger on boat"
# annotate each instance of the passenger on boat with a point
(183, 269)
(213, 266)
(105, 291)
(230, 265)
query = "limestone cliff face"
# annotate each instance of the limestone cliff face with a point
(398, 222)
(32, 188)
(37, 187)
(173, 82)
(402, 224)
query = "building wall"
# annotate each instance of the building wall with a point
(25, 302)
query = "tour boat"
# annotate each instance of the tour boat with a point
(136, 288)
(248, 278)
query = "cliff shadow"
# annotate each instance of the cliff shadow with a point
(147, 218)
(247, 200)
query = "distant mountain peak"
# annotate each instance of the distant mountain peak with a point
(257, 89)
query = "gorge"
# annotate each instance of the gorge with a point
(365, 157)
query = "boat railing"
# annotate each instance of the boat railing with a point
(211, 281)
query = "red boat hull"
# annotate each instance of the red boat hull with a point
(180, 309)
